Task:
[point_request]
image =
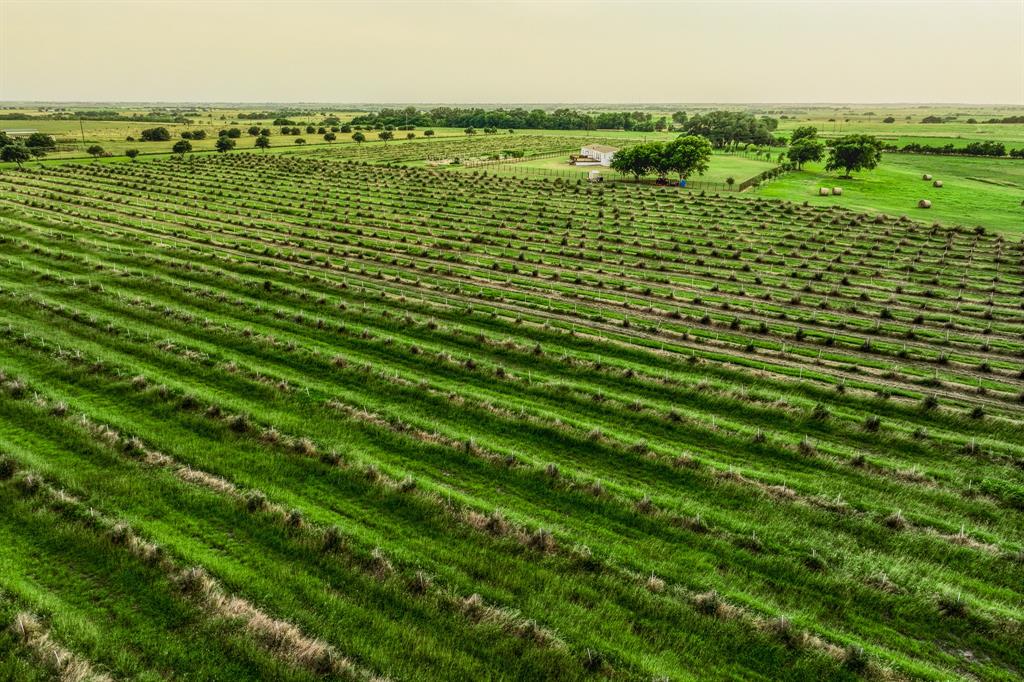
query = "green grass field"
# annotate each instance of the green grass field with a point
(297, 416)
(975, 191)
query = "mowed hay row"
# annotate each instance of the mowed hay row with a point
(811, 413)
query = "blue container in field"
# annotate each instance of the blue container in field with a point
(682, 183)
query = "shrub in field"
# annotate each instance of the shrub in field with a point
(159, 134)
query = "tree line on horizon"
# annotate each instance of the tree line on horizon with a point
(719, 127)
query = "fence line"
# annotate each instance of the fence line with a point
(517, 159)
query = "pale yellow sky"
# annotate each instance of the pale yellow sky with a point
(969, 51)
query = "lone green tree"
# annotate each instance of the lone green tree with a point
(131, 154)
(225, 144)
(262, 142)
(803, 133)
(95, 151)
(638, 160)
(385, 135)
(804, 150)
(182, 147)
(359, 137)
(687, 155)
(330, 137)
(18, 153)
(854, 153)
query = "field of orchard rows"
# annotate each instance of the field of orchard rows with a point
(301, 418)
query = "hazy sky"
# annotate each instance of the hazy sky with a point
(969, 51)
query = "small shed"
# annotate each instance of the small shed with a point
(20, 132)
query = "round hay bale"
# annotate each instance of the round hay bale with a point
(937, 183)
(838, 191)
(823, 191)
(924, 203)
(926, 176)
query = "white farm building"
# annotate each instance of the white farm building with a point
(601, 153)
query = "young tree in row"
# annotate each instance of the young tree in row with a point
(262, 142)
(854, 153)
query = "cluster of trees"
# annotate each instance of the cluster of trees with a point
(987, 148)
(938, 119)
(725, 128)
(159, 134)
(96, 151)
(310, 130)
(518, 118)
(1008, 119)
(193, 135)
(684, 156)
(36, 145)
(847, 154)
